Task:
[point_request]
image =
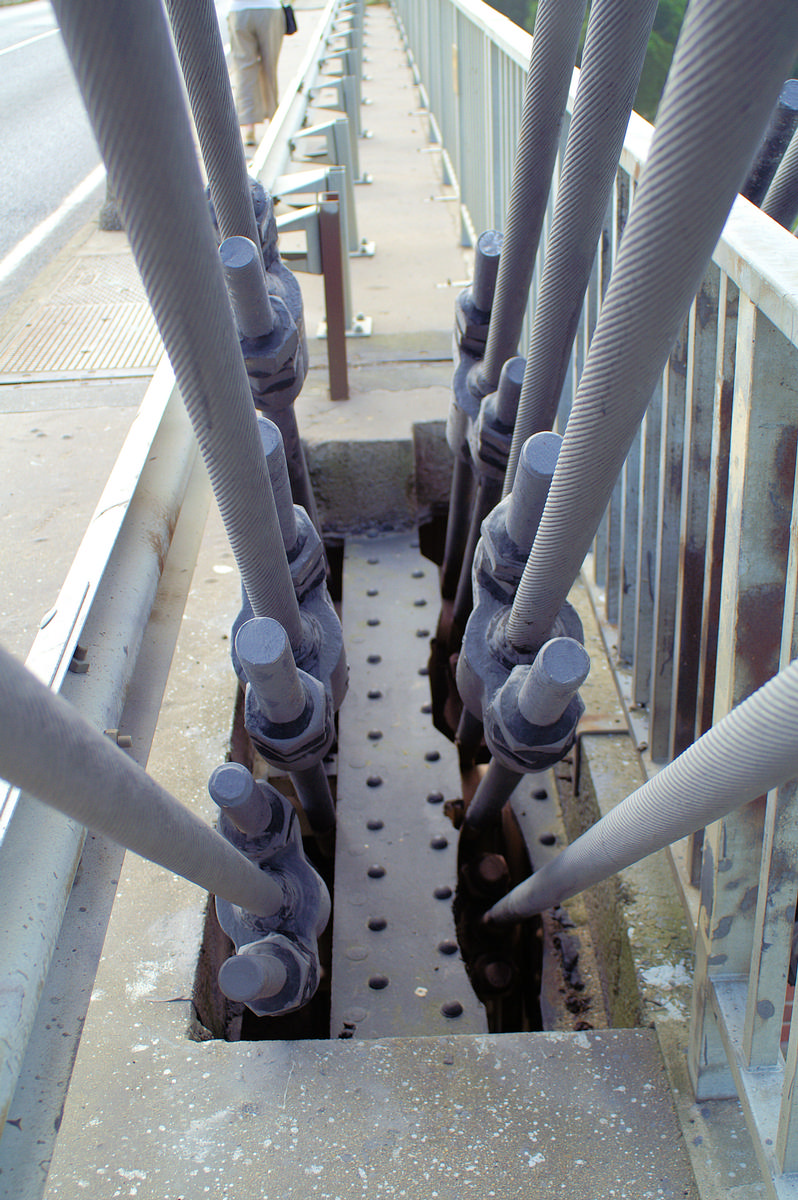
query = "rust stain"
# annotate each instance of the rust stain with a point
(160, 539)
(759, 620)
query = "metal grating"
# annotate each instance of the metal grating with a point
(101, 279)
(81, 338)
(396, 852)
(97, 321)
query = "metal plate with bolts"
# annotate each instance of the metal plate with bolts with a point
(397, 969)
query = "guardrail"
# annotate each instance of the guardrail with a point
(694, 572)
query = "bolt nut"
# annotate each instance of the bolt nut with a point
(498, 562)
(471, 324)
(299, 965)
(518, 745)
(271, 359)
(490, 440)
(123, 740)
(466, 399)
(306, 559)
(487, 877)
(298, 744)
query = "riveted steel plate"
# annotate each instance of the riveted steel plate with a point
(397, 970)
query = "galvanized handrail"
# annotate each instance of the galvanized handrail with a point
(103, 606)
(694, 569)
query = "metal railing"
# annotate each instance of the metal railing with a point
(694, 571)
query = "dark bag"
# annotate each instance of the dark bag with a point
(290, 20)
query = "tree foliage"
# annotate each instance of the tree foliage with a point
(667, 23)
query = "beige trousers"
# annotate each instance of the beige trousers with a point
(256, 35)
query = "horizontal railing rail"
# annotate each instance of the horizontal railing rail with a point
(87, 650)
(694, 571)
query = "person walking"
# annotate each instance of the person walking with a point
(256, 30)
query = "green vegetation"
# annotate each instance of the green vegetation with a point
(667, 24)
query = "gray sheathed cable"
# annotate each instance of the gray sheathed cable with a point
(199, 47)
(86, 777)
(750, 751)
(125, 67)
(781, 198)
(551, 64)
(726, 73)
(615, 47)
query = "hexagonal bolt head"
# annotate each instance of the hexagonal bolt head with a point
(306, 560)
(287, 713)
(274, 975)
(471, 324)
(498, 562)
(516, 743)
(275, 353)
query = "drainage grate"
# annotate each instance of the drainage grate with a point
(79, 338)
(97, 321)
(397, 970)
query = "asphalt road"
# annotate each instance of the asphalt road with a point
(52, 177)
(46, 146)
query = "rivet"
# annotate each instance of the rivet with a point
(448, 947)
(432, 756)
(357, 953)
(548, 839)
(378, 982)
(418, 575)
(422, 633)
(420, 602)
(374, 658)
(377, 924)
(375, 823)
(439, 842)
(374, 781)
(442, 893)
(374, 735)
(372, 621)
(373, 592)
(423, 671)
(435, 798)
(540, 794)
(372, 562)
(376, 872)
(452, 1008)
(426, 709)
(374, 694)
(353, 1015)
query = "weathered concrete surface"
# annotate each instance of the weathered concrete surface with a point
(582, 1116)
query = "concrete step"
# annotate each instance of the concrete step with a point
(583, 1116)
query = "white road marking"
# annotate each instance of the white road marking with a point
(28, 41)
(34, 239)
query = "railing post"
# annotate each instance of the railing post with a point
(752, 638)
(334, 297)
(699, 398)
(669, 498)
